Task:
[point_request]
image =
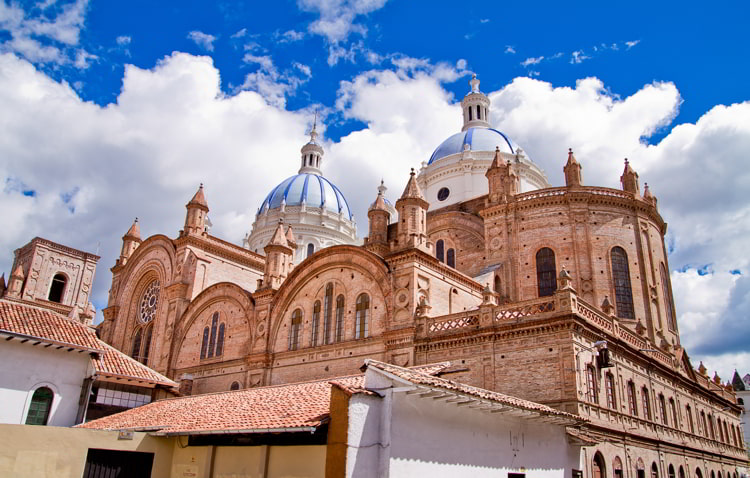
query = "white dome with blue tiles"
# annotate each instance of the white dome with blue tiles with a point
(455, 171)
(315, 208)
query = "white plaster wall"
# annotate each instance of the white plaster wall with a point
(364, 436)
(27, 367)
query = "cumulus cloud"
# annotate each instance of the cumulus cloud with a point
(337, 18)
(273, 85)
(578, 56)
(123, 40)
(203, 40)
(291, 36)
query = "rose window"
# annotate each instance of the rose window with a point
(150, 302)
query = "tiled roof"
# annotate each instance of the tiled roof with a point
(28, 321)
(418, 378)
(113, 363)
(293, 407)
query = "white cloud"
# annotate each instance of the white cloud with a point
(578, 57)
(271, 84)
(484, 20)
(631, 44)
(303, 68)
(509, 49)
(203, 40)
(83, 59)
(123, 40)
(239, 33)
(337, 18)
(532, 61)
(290, 36)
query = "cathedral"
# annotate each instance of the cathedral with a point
(556, 294)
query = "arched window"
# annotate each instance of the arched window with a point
(598, 468)
(212, 339)
(640, 469)
(440, 250)
(646, 403)
(220, 341)
(592, 392)
(670, 471)
(718, 428)
(470, 118)
(136, 350)
(40, 406)
(234, 386)
(57, 288)
(713, 474)
(673, 410)
(498, 284)
(726, 432)
(654, 470)
(711, 432)
(310, 249)
(545, 272)
(147, 345)
(611, 396)
(617, 467)
(295, 330)
(663, 409)
(689, 414)
(681, 472)
(204, 344)
(363, 308)
(698, 473)
(479, 112)
(703, 424)
(315, 323)
(451, 258)
(339, 318)
(667, 297)
(632, 404)
(621, 278)
(327, 308)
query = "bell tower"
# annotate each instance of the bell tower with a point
(476, 107)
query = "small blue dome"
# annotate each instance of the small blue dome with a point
(478, 139)
(314, 190)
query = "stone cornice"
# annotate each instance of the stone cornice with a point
(424, 259)
(86, 256)
(224, 249)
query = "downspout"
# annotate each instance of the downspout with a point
(385, 434)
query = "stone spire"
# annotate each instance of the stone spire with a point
(279, 254)
(379, 217)
(572, 170)
(503, 181)
(412, 213)
(15, 284)
(312, 152)
(647, 196)
(290, 238)
(476, 107)
(197, 208)
(130, 241)
(629, 180)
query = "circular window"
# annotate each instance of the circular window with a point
(150, 302)
(443, 194)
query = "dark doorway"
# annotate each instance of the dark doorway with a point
(117, 464)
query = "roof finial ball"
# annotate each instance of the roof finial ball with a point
(474, 83)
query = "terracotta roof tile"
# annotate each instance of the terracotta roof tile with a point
(274, 408)
(114, 363)
(417, 377)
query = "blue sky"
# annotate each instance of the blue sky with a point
(110, 110)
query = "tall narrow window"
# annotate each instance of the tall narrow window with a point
(545, 272)
(621, 278)
(339, 318)
(327, 307)
(670, 472)
(470, 118)
(136, 350)
(673, 410)
(598, 468)
(147, 345)
(689, 414)
(315, 323)
(295, 330)
(363, 308)
(40, 406)
(592, 393)
(204, 344)
(611, 397)
(451, 258)
(220, 341)
(711, 431)
(632, 404)
(654, 470)
(57, 288)
(617, 467)
(310, 249)
(667, 297)
(479, 112)
(663, 409)
(498, 285)
(646, 404)
(726, 432)
(212, 339)
(440, 250)
(703, 424)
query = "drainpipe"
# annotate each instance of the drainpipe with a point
(386, 412)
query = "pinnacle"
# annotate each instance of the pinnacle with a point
(412, 189)
(18, 272)
(135, 230)
(199, 199)
(279, 238)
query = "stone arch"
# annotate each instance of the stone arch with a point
(227, 296)
(345, 257)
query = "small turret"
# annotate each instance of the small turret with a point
(197, 208)
(572, 170)
(279, 254)
(15, 284)
(312, 153)
(412, 216)
(503, 181)
(476, 107)
(379, 217)
(647, 196)
(130, 241)
(629, 180)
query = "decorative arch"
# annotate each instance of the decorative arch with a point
(621, 282)
(57, 287)
(40, 406)
(598, 468)
(347, 257)
(617, 467)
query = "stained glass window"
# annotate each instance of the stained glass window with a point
(621, 278)
(295, 330)
(315, 323)
(451, 258)
(440, 250)
(149, 302)
(136, 350)
(339, 318)
(545, 272)
(363, 308)
(204, 344)
(328, 309)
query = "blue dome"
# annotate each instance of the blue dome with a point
(313, 189)
(478, 139)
